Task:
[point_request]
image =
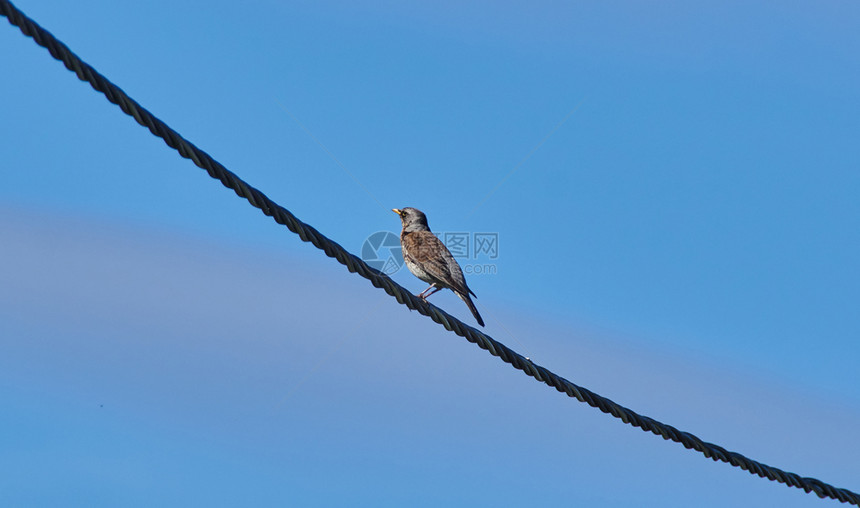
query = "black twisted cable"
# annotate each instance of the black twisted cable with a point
(379, 280)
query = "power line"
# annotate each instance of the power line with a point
(379, 280)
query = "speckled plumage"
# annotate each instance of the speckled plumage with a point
(429, 260)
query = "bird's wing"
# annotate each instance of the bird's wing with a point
(437, 261)
(456, 274)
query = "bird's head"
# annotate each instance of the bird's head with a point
(412, 219)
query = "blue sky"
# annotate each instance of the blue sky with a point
(674, 190)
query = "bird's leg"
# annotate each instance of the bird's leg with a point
(424, 294)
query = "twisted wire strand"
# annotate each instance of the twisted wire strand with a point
(379, 280)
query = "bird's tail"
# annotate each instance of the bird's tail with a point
(468, 300)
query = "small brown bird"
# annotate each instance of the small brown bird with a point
(429, 260)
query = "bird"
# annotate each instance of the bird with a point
(429, 260)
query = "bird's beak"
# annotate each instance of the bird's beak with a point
(398, 212)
